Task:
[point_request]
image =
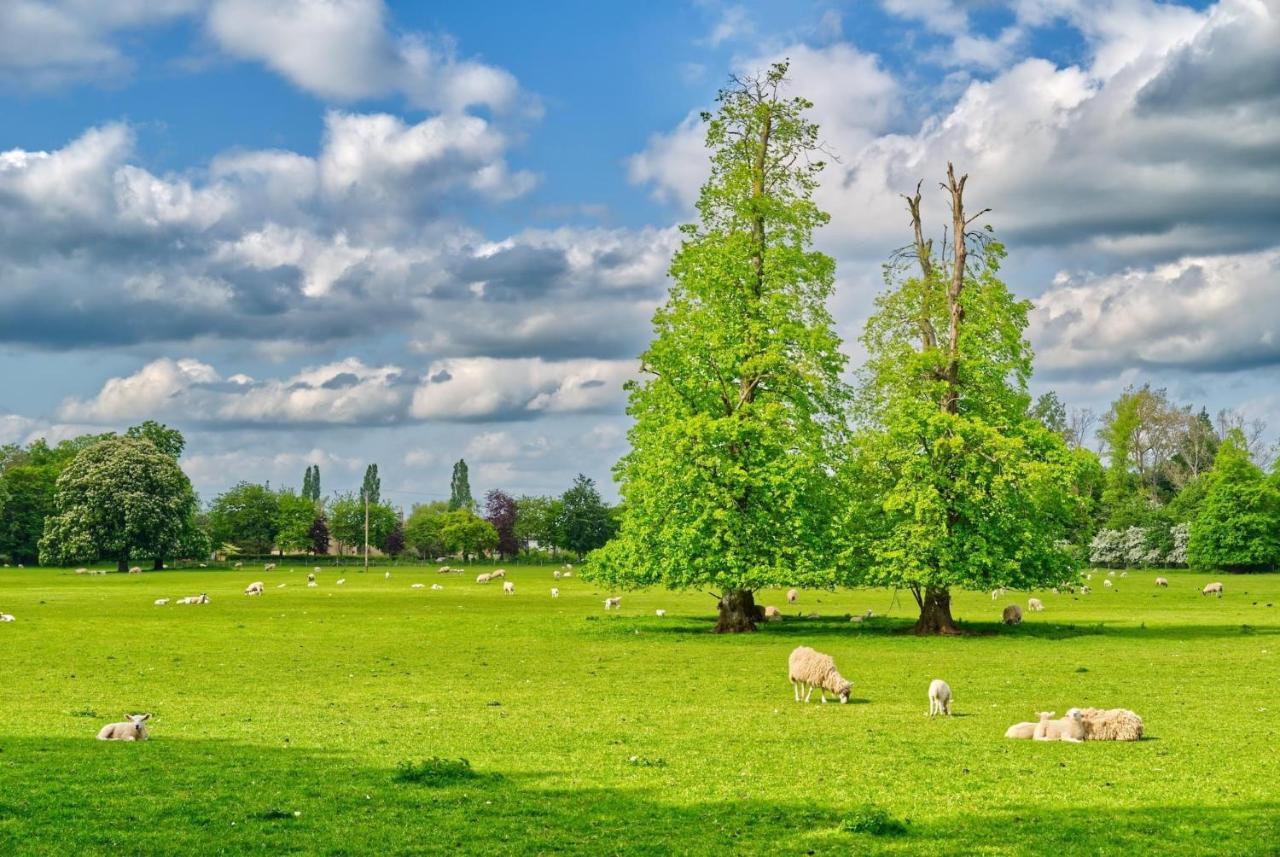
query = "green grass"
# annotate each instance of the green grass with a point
(335, 720)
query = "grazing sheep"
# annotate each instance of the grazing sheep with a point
(810, 668)
(417, 586)
(1012, 615)
(78, 570)
(130, 729)
(613, 603)
(238, 565)
(556, 574)
(1069, 728)
(1085, 589)
(998, 593)
(1026, 730)
(160, 602)
(496, 573)
(939, 697)
(1124, 574)
(1162, 581)
(1111, 574)
(436, 586)
(340, 581)
(772, 614)
(1107, 584)
(1111, 724)
(7, 617)
(508, 588)
(555, 593)
(660, 612)
(1212, 589)
(1034, 605)
(135, 570)
(271, 566)
(792, 595)
(255, 588)
(444, 569)
(483, 578)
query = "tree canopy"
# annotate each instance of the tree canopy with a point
(246, 515)
(460, 487)
(500, 510)
(1238, 524)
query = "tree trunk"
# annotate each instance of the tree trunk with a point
(122, 563)
(158, 565)
(935, 613)
(738, 612)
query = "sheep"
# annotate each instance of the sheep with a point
(436, 586)
(495, 574)
(998, 593)
(340, 581)
(281, 585)
(130, 729)
(613, 603)
(135, 570)
(202, 598)
(1162, 581)
(772, 614)
(508, 588)
(311, 577)
(568, 573)
(1124, 574)
(1012, 615)
(810, 668)
(160, 602)
(1034, 605)
(1085, 589)
(315, 570)
(7, 617)
(1112, 724)
(660, 612)
(255, 588)
(311, 584)
(483, 578)
(939, 698)
(555, 592)
(1111, 573)
(271, 566)
(1069, 728)
(78, 570)
(1212, 589)
(556, 574)
(386, 576)
(1106, 584)
(792, 595)
(444, 569)
(416, 586)
(238, 565)
(1026, 730)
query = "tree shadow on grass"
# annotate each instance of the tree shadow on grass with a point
(63, 796)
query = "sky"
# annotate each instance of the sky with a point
(340, 232)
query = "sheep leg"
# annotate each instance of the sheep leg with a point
(1070, 740)
(795, 687)
(823, 694)
(809, 693)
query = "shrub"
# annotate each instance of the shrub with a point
(434, 771)
(873, 819)
(1106, 549)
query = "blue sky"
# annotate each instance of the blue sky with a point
(341, 231)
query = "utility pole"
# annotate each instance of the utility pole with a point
(366, 531)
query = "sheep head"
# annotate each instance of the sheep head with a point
(843, 690)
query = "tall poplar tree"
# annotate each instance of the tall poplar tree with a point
(460, 488)
(740, 418)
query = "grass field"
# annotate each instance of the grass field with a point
(280, 722)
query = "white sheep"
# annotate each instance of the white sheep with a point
(996, 593)
(444, 569)
(255, 588)
(1124, 574)
(417, 586)
(660, 612)
(311, 584)
(238, 565)
(508, 588)
(772, 614)
(1027, 730)
(340, 581)
(939, 698)
(315, 570)
(202, 598)
(556, 574)
(809, 668)
(1034, 605)
(1162, 581)
(483, 578)
(1069, 728)
(1012, 615)
(496, 573)
(386, 576)
(792, 595)
(1212, 589)
(1085, 589)
(436, 586)
(1106, 584)
(130, 729)
(311, 577)
(568, 573)
(1112, 724)
(1111, 573)
(271, 566)
(7, 617)
(78, 570)
(135, 570)
(160, 602)
(613, 603)
(555, 593)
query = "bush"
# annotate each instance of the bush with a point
(873, 819)
(434, 771)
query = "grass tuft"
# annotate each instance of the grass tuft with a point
(434, 771)
(874, 820)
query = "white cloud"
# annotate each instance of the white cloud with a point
(483, 388)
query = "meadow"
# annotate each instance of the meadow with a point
(330, 720)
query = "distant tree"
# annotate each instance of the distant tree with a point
(319, 534)
(310, 483)
(28, 483)
(294, 518)
(121, 498)
(501, 511)
(393, 545)
(460, 488)
(346, 521)
(168, 440)
(1238, 525)
(424, 527)
(463, 532)
(585, 522)
(538, 520)
(1049, 411)
(248, 516)
(371, 488)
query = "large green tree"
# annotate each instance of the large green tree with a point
(168, 440)
(295, 515)
(585, 523)
(1237, 526)
(740, 416)
(28, 483)
(347, 521)
(422, 531)
(371, 488)
(538, 520)
(952, 483)
(122, 498)
(460, 487)
(464, 532)
(246, 515)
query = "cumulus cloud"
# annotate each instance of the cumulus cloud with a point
(483, 388)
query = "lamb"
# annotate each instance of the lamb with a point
(416, 586)
(444, 569)
(131, 729)
(202, 598)
(135, 570)
(1124, 574)
(311, 577)
(997, 593)
(1026, 730)
(315, 570)
(613, 603)
(78, 570)
(1069, 728)
(555, 593)
(495, 574)
(436, 586)
(483, 578)
(271, 566)
(556, 574)
(792, 595)
(1012, 615)
(160, 602)
(660, 612)
(1107, 584)
(1212, 589)
(772, 614)
(7, 617)
(810, 668)
(386, 576)
(1112, 724)
(311, 584)
(1086, 589)
(340, 581)
(939, 697)
(238, 565)
(1034, 605)
(1162, 581)
(568, 573)
(508, 588)
(255, 588)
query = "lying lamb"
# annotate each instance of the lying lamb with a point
(128, 730)
(160, 602)
(1012, 615)
(340, 581)
(7, 617)
(202, 598)
(1069, 728)
(1034, 605)
(613, 603)
(1162, 581)
(1212, 589)
(1111, 724)
(271, 566)
(436, 586)
(238, 565)
(1026, 730)
(810, 668)
(939, 697)
(416, 586)
(255, 588)
(508, 588)
(772, 614)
